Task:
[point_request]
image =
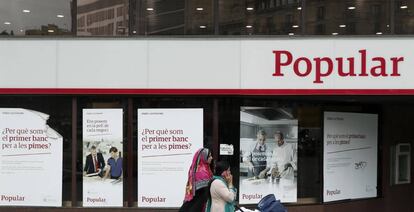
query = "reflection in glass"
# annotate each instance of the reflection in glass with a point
(205, 17)
(352, 17)
(260, 17)
(404, 16)
(35, 17)
(102, 17)
(171, 17)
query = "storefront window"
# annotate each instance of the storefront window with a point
(171, 17)
(404, 17)
(102, 18)
(59, 110)
(36, 17)
(104, 145)
(179, 103)
(277, 115)
(347, 17)
(261, 17)
(299, 118)
(190, 17)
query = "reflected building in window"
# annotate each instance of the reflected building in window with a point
(233, 17)
(319, 17)
(199, 17)
(102, 17)
(171, 17)
(404, 16)
(157, 17)
(260, 17)
(49, 29)
(352, 17)
(164, 17)
(280, 17)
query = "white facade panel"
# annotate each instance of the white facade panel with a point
(27, 64)
(258, 62)
(386, 48)
(379, 56)
(194, 64)
(102, 64)
(209, 64)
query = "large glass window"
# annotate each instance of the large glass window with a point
(308, 134)
(99, 102)
(171, 17)
(204, 17)
(102, 17)
(36, 17)
(222, 125)
(173, 102)
(60, 119)
(308, 111)
(404, 16)
(337, 17)
(260, 17)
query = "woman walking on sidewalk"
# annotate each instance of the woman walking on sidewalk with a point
(199, 176)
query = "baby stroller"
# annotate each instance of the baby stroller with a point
(266, 204)
(270, 204)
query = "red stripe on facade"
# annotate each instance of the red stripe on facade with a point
(85, 91)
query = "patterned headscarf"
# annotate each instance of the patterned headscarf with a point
(199, 174)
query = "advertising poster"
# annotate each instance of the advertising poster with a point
(167, 141)
(268, 154)
(102, 158)
(30, 159)
(350, 156)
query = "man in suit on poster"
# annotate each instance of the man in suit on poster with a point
(94, 163)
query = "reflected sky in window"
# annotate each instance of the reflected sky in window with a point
(26, 17)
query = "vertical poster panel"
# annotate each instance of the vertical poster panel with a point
(268, 154)
(102, 158)
(350, 156)
(30, 159)
(167, 141)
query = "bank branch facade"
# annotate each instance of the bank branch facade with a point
(342, 105)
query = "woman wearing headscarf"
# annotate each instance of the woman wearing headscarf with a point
(199, 175)
(222, 191)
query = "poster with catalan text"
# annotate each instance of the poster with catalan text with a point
(102, 158)
(350, 156)
(30, 159)
(167, 141)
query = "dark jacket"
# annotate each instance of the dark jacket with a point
(90, 167)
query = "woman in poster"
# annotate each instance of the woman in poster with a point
(199, 175)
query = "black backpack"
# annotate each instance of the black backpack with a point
(270, 204)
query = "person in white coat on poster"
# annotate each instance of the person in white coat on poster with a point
(284, 160)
